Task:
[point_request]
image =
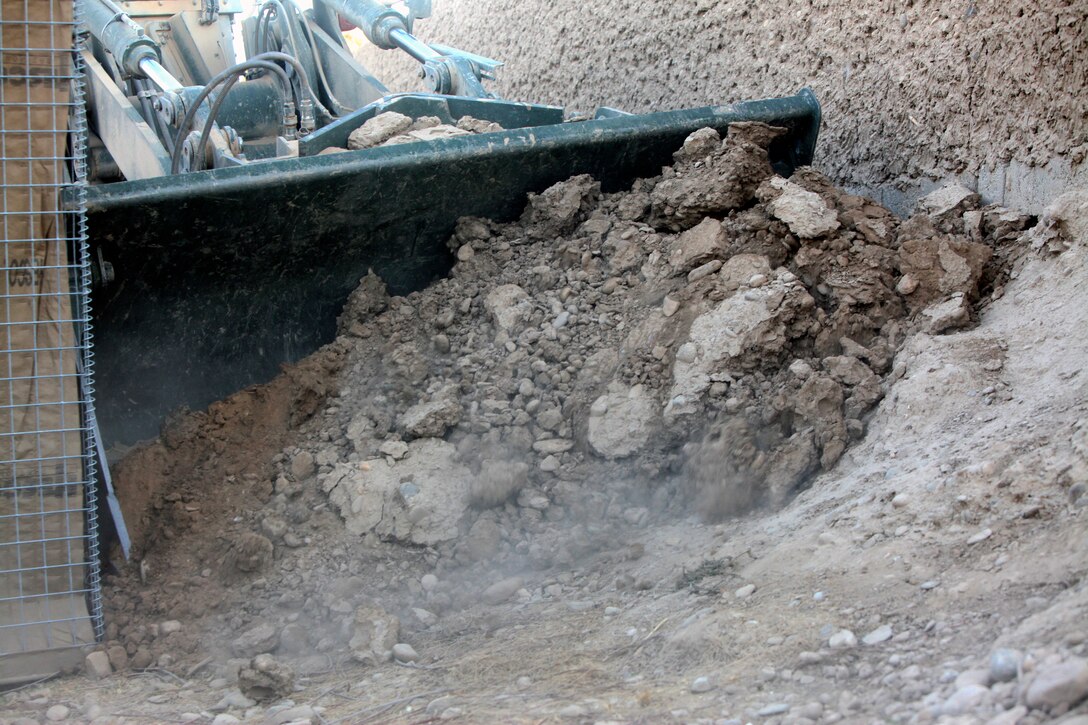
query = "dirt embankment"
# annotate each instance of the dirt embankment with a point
(914, 94)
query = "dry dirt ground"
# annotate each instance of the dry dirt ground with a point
(932, 573)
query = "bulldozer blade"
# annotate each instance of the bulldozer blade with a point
(222, 276)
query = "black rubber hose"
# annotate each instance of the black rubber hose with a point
(213, 112)
(234, 70)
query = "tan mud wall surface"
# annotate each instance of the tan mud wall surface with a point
(993, 94)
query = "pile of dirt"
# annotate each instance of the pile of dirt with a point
(705, 342)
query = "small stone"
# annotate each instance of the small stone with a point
(378, 130)
(757, 280)
(745, 591)
(930, 584)
(256, 640)
(704, 270)
(465, 252)
(1057, 685)
(499, 592)
(881, 634)
(523, 682)
(702, 684)
(964, 700)
(266, 679)
(842, 639)
(906, 285)
(552, 446)
(670, 306)
(297, 714)
(428, 582)
(550, 464)
(169, 627)
(404, 652)
(394, 449)
(118, 657)
(97, 665)
(426, 617)
(233, 700)
(1004, 665)
(612, 611)
(980, 537)
(303, 465)
(778, 708)
(225, 719)
(572, 711)
(57, 713)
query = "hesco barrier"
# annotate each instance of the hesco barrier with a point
(50, 602)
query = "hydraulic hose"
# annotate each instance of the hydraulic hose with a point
(234, 70)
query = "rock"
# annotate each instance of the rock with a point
(428, 582)
(704, 270)
(256, 640)
(964, 700)
(736, 331)
(374, 634)
(702, 684)
(1004, 665)
(500, 591)
(553, 446)
(497, 483)
(251, 552)
(97, 665)
(973, 677)
(303, 465)
(56, 713)
(778, 708)
(429, 133)
(293, 639)
(842, 639)
(1016, 715)
(394, 449)
(420, 500)
(431, 419)
(169, 627)
(803, 211)
(699, 144)
(948, 201)
(669, 306)
(404, 653)
(745, 591)
(378, 130)
(266, 679)
(225, 719)
(941, 267)
(906, 285)
(297, 714)
(118, 657)
(425, 617)
(881, 634)
(726, 179)
(234, 699)
(952, 314)
(1058, 685)
(621, 421)
(697, 246)
(274, 527)
(980, 537)
(560, 207)
(572, 711)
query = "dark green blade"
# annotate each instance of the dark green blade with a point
(222, 276)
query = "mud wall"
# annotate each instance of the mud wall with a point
(914, 93)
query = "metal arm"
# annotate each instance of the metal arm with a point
(136, 54)
(447, 70)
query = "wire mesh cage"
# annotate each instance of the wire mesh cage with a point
(49, 571)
